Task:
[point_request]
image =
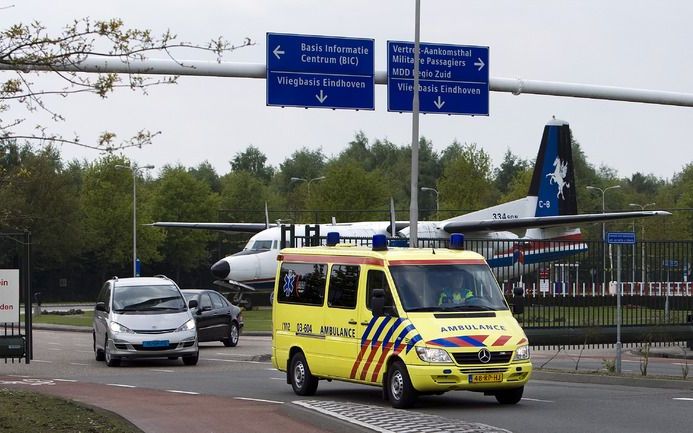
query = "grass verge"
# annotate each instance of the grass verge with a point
(29, 412)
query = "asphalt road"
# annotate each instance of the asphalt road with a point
(243, 373)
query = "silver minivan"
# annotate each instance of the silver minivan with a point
(143, 317)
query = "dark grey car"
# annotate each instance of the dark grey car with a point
(216, 318)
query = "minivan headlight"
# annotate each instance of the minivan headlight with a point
(522, 353)
(117, 328)
(428, 354)
(187, 326)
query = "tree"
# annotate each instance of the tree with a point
(347, 186)
(31, 47)
(508, 171)
(182, 197)
(252, 161)
(466, 181)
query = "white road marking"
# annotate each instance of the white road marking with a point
(632, 362)
(121, 385)
(39, 360)
(51, 348)
(258, 399)
(54, 343)
(277, 378)
(18, 375)
(78, 363)
(233, 360)
(682, 363)
(84, 351)
(161, 370)
(683, 398)
(65, 380)
(182, 392)
(537, 399)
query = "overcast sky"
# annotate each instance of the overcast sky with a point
(638, 44)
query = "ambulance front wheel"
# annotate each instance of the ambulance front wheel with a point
(400, 391)
(302, 381)
(510, 396)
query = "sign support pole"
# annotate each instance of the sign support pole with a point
(618, 311)
(414, 194)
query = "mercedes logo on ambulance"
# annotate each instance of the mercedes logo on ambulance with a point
(484, 355)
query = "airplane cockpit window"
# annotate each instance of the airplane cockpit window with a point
(262, 245)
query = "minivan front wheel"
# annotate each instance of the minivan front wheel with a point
(111, 361)
(98, 353)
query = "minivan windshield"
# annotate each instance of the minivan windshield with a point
(154, 298)
(448, 287)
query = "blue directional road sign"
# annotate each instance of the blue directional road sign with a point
(623, 238)
(453, 79)
(320, 71)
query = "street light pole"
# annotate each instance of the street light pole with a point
(642, 243)
(308, 182)
(425, 188)
(603, 191)
(134, 168)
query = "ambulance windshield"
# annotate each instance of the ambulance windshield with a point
(456, 287)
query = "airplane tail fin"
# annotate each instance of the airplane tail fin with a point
(553, 180)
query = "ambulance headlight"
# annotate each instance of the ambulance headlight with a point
(522, 353)
(428, 354)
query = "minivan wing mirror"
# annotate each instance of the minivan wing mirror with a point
(100, 306)
(192, 303)
(377, 302)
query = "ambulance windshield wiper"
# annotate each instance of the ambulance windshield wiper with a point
(468, 308)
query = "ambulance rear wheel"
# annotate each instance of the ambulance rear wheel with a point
(302, 380)
(400, 391)
(510, 396)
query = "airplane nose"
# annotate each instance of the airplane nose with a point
(221, 269)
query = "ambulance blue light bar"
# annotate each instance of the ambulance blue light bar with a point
(457, 241)
(332, 239)
(379, 243)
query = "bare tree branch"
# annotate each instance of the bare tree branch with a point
(30, 45)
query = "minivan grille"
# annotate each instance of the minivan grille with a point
(467, 358)
(153, 331)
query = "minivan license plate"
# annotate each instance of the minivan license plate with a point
(155, 343)
(486, 378)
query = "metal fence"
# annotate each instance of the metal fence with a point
(568, 301)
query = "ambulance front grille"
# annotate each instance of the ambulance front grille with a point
(472, 358)
(483, 370)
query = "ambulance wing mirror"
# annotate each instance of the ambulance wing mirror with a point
(518, 300)
(378, 302)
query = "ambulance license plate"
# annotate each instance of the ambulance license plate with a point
(486, 378)
(155, 343)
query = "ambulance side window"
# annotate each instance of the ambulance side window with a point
(344, 283)
(302, 283)
(377, 280)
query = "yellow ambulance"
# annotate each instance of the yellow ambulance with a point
(410, 320)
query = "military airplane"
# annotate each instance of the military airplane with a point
(547, 215)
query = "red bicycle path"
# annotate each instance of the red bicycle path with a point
(155, 411)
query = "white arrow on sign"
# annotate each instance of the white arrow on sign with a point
(277, 52)
(439, 103)
(480, 63)
(321, 97)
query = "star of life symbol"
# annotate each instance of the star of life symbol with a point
(558, 177)
(289, 280)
